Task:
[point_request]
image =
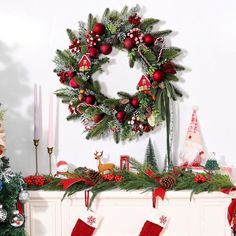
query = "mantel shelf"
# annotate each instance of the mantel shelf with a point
(124, 213)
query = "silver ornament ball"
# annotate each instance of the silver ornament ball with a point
(17, 219)
(3, 214)
(24, 196)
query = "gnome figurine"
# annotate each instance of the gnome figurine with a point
(193, 153)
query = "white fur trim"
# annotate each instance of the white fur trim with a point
(158, 217)
(90, 218)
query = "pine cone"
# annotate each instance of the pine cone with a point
(168, 181)
(95, 176)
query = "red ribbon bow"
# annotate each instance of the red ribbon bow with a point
(69, 182)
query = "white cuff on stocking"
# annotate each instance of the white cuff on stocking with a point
(90, 218)
(158, 217)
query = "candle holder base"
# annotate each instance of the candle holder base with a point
(50, 151)
(36, 144)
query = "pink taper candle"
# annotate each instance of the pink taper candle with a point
(50, 122)
(36, 113)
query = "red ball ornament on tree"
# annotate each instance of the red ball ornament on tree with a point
(129, 43)
(105, 48)
(120, 116)
(134, 102)
(148, 39)
(93, 52)
(73, 83)
(157, 76)
(99, 28)
(90, 99)
(146, 128)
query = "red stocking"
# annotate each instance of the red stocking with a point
(155, 223)
(86, 224)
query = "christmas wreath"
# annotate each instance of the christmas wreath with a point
(131, 115)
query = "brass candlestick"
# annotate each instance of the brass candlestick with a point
(50, 151)
(36, 144)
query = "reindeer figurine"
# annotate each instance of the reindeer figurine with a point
(103, 167)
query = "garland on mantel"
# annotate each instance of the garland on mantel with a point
(144, 178)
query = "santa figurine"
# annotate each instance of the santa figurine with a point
(62, 169)
(193, 153)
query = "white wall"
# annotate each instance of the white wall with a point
(31, 31)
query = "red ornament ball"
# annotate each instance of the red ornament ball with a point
(90, 99)
(93, 52)
(157, 76)
(98, 118)
(106, 48)
(120, 116)
(71, 74)
(129, 43)
(134, 102)
(73, 83)
(99, 28)
(148, 39)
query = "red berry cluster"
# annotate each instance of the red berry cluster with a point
(111, 177)
(200, 179)
(136, 34)
(92, 39)
(75, 46)
(65, 76)
(35, 180)
(135, 19)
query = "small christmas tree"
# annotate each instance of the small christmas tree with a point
(11, 193)
(211, 165)
(150, 156)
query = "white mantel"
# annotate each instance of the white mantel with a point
(125, 212)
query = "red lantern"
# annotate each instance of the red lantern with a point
(124, 163)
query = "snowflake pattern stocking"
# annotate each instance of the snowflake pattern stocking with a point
(155, 223)
(86, 224)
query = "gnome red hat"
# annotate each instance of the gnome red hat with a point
(193, 152)
(86, 224)
(156, 222)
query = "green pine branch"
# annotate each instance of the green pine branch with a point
(148, 23)
(149, 55)
(124, 95)
(66, 57)
(98, 65)
(161, 33)
(70, 34)
(73, 116)
(100, 129)
(179, 67)
(91, 21)
(170, 53)
(106, 13)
